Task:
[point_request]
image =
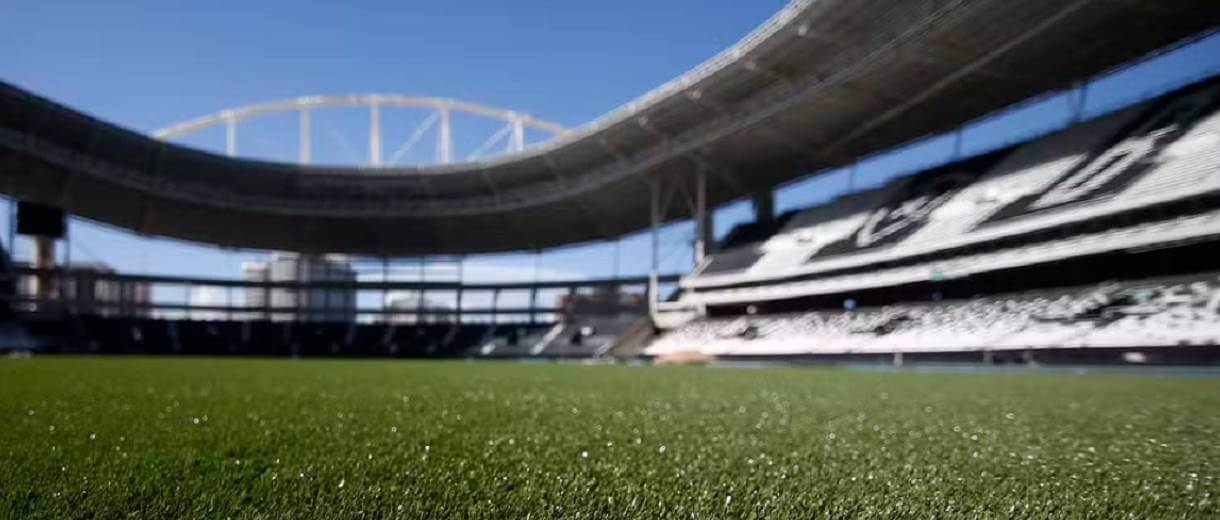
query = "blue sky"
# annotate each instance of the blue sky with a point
(147, 64)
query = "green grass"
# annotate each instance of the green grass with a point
(207, 438)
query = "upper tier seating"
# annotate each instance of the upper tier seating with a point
(742, 245)
(1158, 153)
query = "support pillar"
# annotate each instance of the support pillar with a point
(655, 230)
(44, 261)
(12, 223)
(374, 134)
(571, 300)
(420, 294)
(1081, 99)
(300, 285)
(304, 138)
(518, 142)
(534, 288)
(444, 141)
(614, 262)
(67, 239)
(385, 290)
(495, 303)
(704, 219)
(230, 136)
(533, 304)
(764, 206)
(461, 286)
(267, 293)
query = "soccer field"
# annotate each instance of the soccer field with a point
(213, 438)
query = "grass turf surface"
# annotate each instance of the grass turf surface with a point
(208, 438)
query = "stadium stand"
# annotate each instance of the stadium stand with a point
(743, 246)
(511, 340)
(585, 337)
(1132, 195)
(1163, 153)
(1171, 312)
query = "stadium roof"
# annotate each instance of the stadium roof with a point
(819, 84)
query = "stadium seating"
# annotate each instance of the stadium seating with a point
(1166, 312)
(584, 337)
(1161, 154)
(512, 340)
(743, 245)
(1115, 239)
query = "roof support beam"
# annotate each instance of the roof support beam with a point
(728, 176)
(946, 81)
(778, 137)
(612, 150)
(416, 135)
(594, 218)
(936, 53)
(561, 180)
(654, 197)
(703, 218)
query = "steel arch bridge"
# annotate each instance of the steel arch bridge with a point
(512, 132)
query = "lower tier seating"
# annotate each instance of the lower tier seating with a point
(1180, 311)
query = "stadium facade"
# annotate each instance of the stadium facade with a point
(1096, 238)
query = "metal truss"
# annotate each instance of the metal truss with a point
(442, 110)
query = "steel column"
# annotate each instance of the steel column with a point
(44, 259)
(304, 136)
(1081, 99)
(851, 177)
(703, 219)
(12, 224)
(230, 136)
(764, 206)
(495, 305)
(461, 284)
(385, 292)
(419, 302)
(534, 288)
(518, 134)
(374, 134)
(444, 139)
(655, 214)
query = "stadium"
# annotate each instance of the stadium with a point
(1025, 325)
